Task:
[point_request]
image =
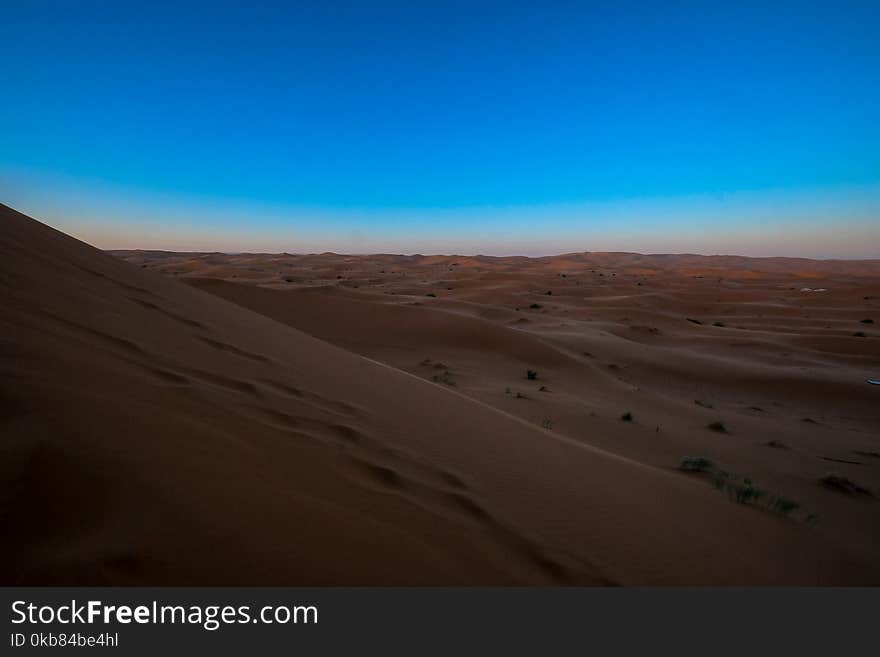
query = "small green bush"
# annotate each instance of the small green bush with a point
(741, 490)
(697, 464)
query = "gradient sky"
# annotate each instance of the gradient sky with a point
(515, 127)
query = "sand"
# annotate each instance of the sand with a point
(311, 420)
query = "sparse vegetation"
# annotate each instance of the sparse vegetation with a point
(717, 426)
(697, 464)
(531, 375)
(741, 490)
(536, 306)
(702, 403)
(859, 334)
(785, 506)
(777, 444)
(543, 389)
(547, 423)
(430, 294)
(627, 417)
(867, 321)
(720, 324)
(445, 378)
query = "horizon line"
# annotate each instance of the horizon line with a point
(484, 255)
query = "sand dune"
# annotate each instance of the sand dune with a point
(155, 433)
(680, 342)
(811, 405)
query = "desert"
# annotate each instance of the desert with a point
(583, 419)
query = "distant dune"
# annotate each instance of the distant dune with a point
(311, 420)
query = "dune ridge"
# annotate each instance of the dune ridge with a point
(154, 433)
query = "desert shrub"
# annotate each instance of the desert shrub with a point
(784, 505)
(717, 426)
(721, 324)
(445, 378)
(531, 375)
(627, 417)
(859, 334)
(867, 321)
(696, 464)
(744, 492)
(741, 490)
(536, 306)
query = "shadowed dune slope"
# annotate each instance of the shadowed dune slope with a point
(155, 434)
(363, 325)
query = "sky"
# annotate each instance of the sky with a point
(446, 127)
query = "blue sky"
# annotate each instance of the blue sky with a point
(517, 127)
